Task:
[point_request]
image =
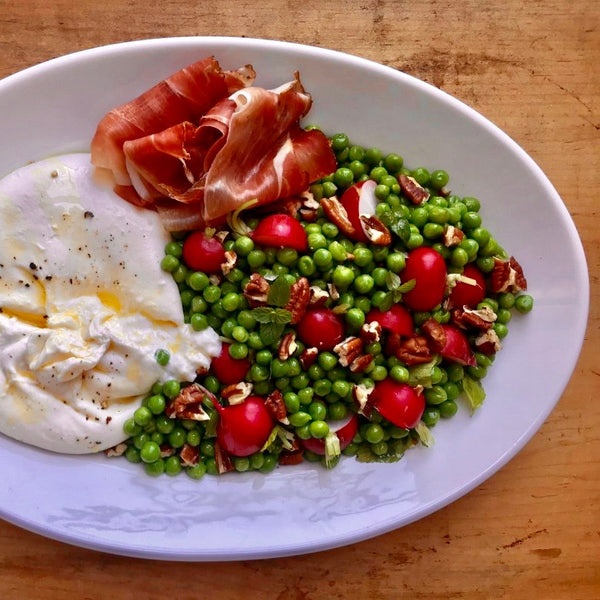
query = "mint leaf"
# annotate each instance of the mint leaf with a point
(407, 286)
(263, 314)
(392, 281)
(281, 316)
(270, 332)
(398, 224)
(279, 292)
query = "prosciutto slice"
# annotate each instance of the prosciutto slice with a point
(184, 96)
(247, 145)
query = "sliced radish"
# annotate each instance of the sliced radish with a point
(359, 199)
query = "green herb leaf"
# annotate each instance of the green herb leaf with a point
(407, 286)
(262, 314)
(392, 281)
(281, 316)
(398, 224)
(270, 332)
(266, 314)
(387, 303)
(421, 374)
(279, 292)
(474, 392)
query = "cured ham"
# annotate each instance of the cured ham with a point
(184, 96)
(246, 146)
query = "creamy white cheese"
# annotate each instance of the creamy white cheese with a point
(84, 306)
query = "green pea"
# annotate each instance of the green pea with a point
(306, 266)
(363, 284)
(197, 471)
(362, 303)
(343, 177)
(400, 373)
(374, 433)
(452, 390)
(379, 373)
(342, 276)
(435, 395)
(327, 360)
(155, 468)
(142, 416)
(150, 452)
(431, 416)
(432, 231)
(478, 372)
(318, 429)
(156, 404)
(193, 437)
(301, 381)
(393, 163)
(322, 387)
(305, 395)
(414, 241)
(341, 388)
(131, 428)
(421, 176)
(257, 460)
(317, 410)
(279, 368)
(300, 418)
(292, 402)
(211, 293)
(395, 262)
(355, 318)
(382, 191)
(256, 259)
(339, 142)
(243, 245)
(322, 258)
(293, 367)
(501, 329)
(439, 179)
(169, 263)
(338, 252)
(523, 303)
(238, 351)
(255, 341)
(471, 203)
(329, 189)
(459, 257)
(264, 357)
(377, 173)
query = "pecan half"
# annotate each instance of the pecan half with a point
(364, 399)
(299, 299)
(236, 393)
(222, 460)
(318, 296)
(287, 346)
(308, 357)
(507, 276)
(348, 350)
(189, 455)
(166, 450)
(309, 207)
(361, 363)
(117, 450)
(413, 190)
(291, 457)
(276, 406)
(188, 403)
(230, 262)
(256, 290)
(375, 230)
(370, 332)
(334, 294)
(338, 215)
(468, 318)
(290, 205)
(414, 351)
(452, 236)
(488, 342)
(435, 334)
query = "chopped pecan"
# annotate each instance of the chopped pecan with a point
(435, 334)
(236, 393)
(348, 350)
(299, 299)
(375, 230)
(414, 191)
(291, 457)
(318, 296)
(488, 342)
(361, 363)
(221, 235)
(334, 294)
(287, 346)
(117, 450)
(392, 343)
(290, 206)
(189, 455)
(452, 236)
(364, 399)
(166, 450)
(230, 262)
(468, 318)
(370, 332)
(215, 279)
(507, 276)
(276, 406)
(414, 351)
(308, 357)
(256, 290)
(201, 370)
(338, 215)
(222, 460)
(188, 403)
(309, 207)
(308, 214)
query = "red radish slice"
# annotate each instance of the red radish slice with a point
(345, 429)
(359, 199)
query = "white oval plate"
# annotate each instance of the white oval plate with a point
(113, 506)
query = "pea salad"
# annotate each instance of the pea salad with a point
(353, 318)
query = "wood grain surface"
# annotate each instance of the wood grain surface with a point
(533, 529)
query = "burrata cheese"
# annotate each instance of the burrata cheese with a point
(84, 306)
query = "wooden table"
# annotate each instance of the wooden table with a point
(533, 529)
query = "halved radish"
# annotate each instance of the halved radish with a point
(345, 429)
(359, 199)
